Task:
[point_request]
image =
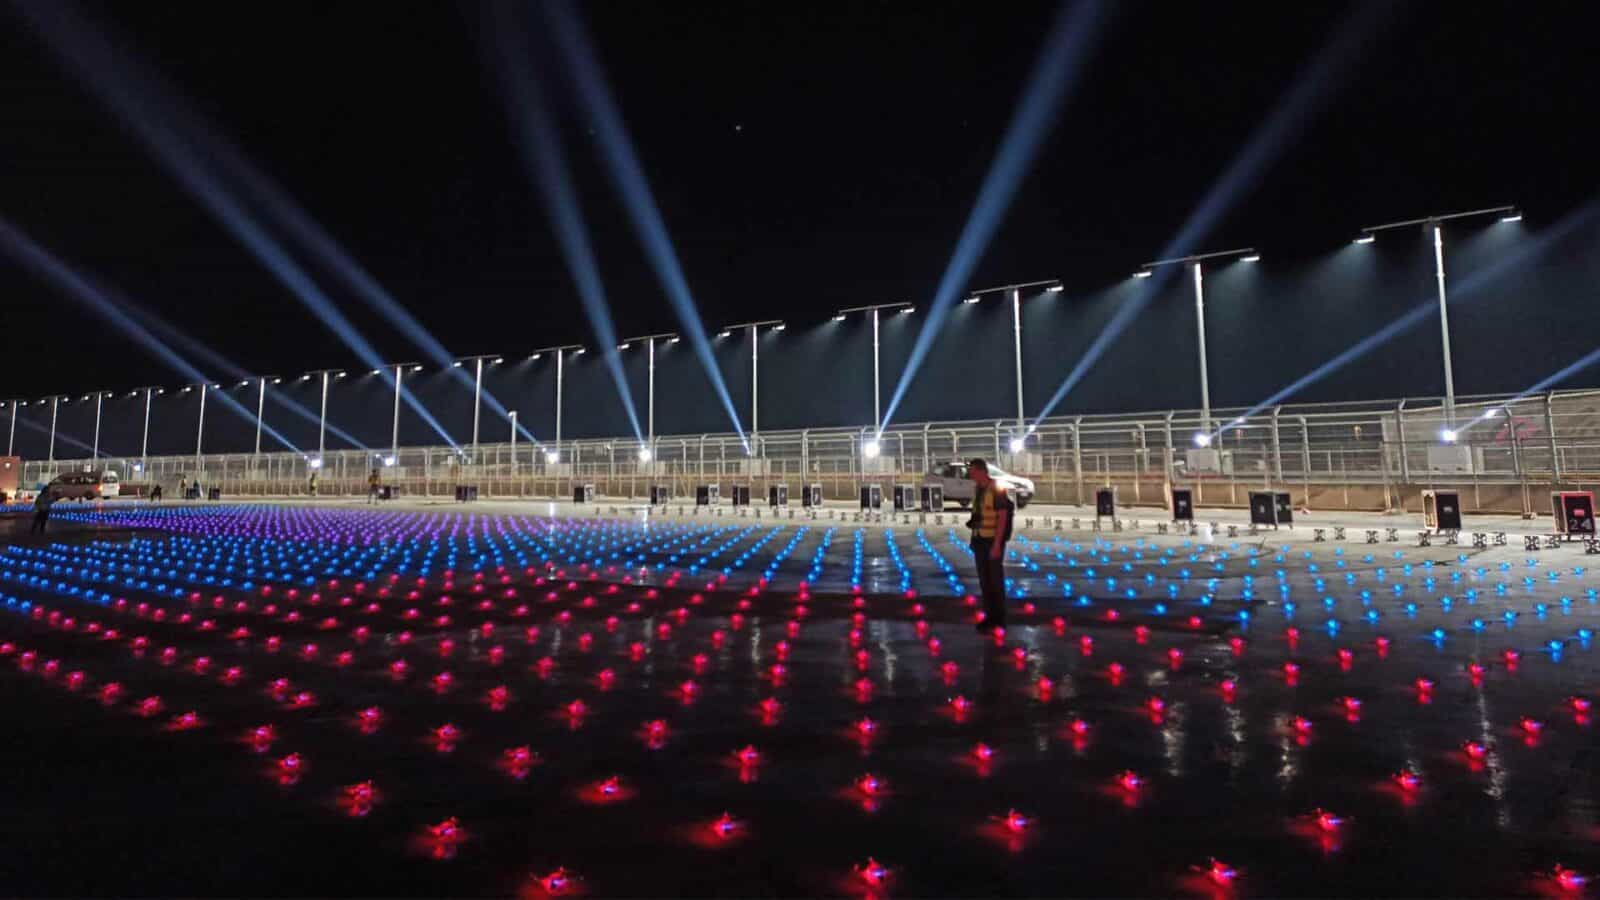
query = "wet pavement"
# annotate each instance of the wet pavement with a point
(289, 701)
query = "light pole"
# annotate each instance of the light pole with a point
(871, 449)
(400, 370)
(1015, 290)
(755, 366)
(512, 415)
(144, 445)
(261, 402)
(200, 427)
(11, 440)
(649, 449)
(1435, 224)
(1196, 262)
(553, 455)
(94, 450)
(477, 391)
(54, 400)
(322, 418)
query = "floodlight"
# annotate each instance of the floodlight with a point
(644, 454)
(1448, 435)
(1201, 439)
(1366, 239)
(1017, 444)
(1254, 257)
(871, 449)
(552, 456)
(1143, 273)
(839, 317)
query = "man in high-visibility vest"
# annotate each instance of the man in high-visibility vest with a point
(992, 512)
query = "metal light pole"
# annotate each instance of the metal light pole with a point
(477, 391)
(261, 403)
(11, 440)
(394, 428)
(200, 427)
(322, 418)
(94, 450)
(1015, 290)
(648, 450)
(1244, 254)
(1435, 225)
(561, 353)
(53, 403)
(873, 311)
(755, 365)
(513, 416)
(144, 445)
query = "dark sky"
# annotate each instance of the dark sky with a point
(805, 156)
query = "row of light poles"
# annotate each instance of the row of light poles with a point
(1196, 262)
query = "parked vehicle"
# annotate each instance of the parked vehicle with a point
(952, 477)
(85, 486)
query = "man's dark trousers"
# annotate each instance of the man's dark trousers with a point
(991, 579)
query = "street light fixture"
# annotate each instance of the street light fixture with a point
(322, 419)
(99, 399)
(144, 446)
(200, 424)
(553, 455)
(1054, 285)
(1195, 262)
(1435, 224)
(874, 311)
(477, 391)
(12, 439)
(755, 359)
(650, 414)
(400, 370)
(55, 400)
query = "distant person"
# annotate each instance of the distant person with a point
(155, 493)
(41, 510)
(183, 488)
(992, 514)
(311, 484)
(372, 486)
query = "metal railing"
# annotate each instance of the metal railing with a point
(1360, 455)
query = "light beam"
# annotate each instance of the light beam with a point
(628, 178)
(537, 138)
(1311, 89)
(1054, 75)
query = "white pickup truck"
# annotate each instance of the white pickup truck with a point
(952, 477)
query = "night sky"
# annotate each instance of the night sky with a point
(807, 157)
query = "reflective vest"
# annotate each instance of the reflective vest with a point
(987, 503)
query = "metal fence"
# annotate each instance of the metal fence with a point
(1507, 452)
